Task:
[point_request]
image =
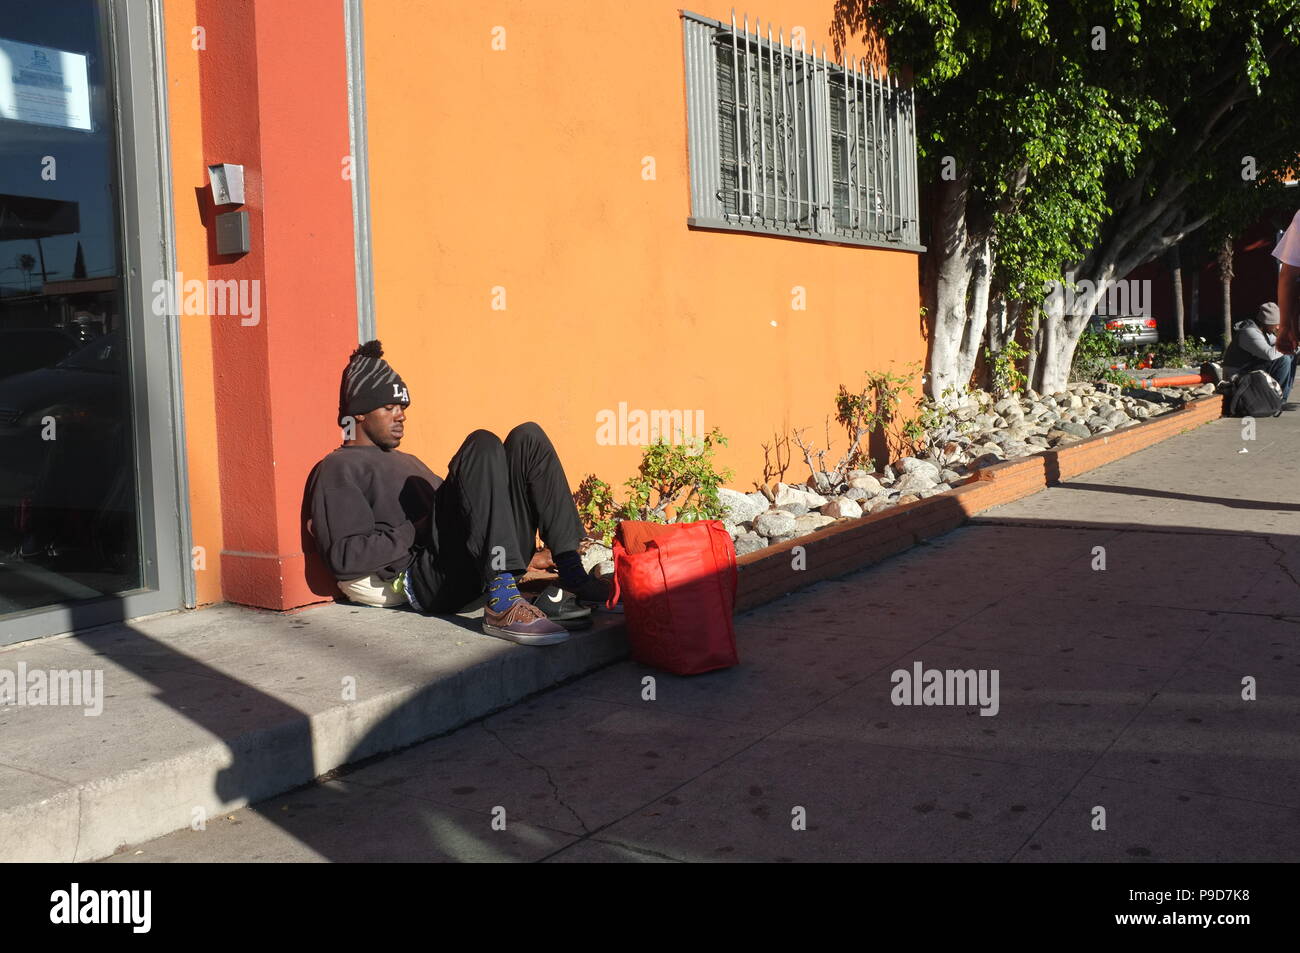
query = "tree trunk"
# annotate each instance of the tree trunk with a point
(1031, 363)
(1225, 282)
(1194, 311)
(1057, 349)
(1176, 271)
(1065, 316)
(980, 266)
(959, 276)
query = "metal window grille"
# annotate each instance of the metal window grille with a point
(784, 141)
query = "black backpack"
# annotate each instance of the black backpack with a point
(1255, 394)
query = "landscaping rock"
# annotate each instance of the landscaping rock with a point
(774, 523)
(915, 482)
(1077, 430)
(812, 522)
(785, 493)
(749, 543)
(596, 554)
(820, 483)
(868, 483)
(950, 476)
(796, 508)
(740, 507)
(909, 465)
(842, 509)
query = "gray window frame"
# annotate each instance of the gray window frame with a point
(148, 226)
(799, 174)
(354, 23)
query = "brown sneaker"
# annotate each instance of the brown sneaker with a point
(524, 623)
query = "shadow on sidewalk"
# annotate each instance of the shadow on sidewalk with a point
(1186, 497)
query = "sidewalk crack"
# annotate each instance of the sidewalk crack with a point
(1280, 561)
(555, 791)
(77, 846)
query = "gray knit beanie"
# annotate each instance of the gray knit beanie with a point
(369, 382)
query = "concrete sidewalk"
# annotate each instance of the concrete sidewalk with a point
(208, 711)
(1119, 689)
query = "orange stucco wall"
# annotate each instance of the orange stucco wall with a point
(522, 169)
(188, 173)
(515, 170)
(265, 88)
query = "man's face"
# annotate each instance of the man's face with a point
(383, 426)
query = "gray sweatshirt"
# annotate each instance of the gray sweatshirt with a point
(363, 502)
(1250, 345)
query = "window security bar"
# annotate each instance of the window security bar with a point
(785, 141)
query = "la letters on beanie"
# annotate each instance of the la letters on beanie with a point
(369, 382)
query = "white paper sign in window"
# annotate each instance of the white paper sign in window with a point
(42, 85)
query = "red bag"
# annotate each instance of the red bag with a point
(678, 583)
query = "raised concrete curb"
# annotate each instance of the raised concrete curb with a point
(206, 712)
(855, 544)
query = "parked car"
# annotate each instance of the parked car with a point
(1135, 330)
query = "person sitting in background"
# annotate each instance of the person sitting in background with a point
(1254, 347)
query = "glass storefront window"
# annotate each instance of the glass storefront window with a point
(69, 525)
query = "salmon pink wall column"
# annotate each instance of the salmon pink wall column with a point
(275, 99)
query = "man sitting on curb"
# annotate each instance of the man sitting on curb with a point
(1254, 347)
(394, 533)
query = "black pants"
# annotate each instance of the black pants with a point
(486, 516)
(1281, 369)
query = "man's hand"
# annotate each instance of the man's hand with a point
(541, 561)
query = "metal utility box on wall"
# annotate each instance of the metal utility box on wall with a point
(233, 236)
(227, 182)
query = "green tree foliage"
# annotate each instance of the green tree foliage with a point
(1087, 137)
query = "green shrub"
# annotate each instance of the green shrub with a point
(680, 476)
(669, 470)
(596, 508)
(1192, 352)
(1094, 355)
(1005, 376)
